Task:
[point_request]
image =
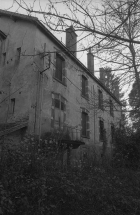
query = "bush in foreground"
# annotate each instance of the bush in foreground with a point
(33, 181)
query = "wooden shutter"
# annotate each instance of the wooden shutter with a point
(88, 127)
(64, 79)
(54, 65)
(59, 67)
(84, 124)
(100, 98)
(86, 89)
(52, 112)
(101, 129)
(102, 104)
(83, 85)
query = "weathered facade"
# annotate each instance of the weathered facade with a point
(44, 87)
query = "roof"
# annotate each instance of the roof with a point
(58, 43)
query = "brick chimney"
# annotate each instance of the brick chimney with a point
(71, 40)
(90, 61)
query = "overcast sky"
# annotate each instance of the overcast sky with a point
(8, 4)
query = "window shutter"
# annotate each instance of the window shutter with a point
(54, 65)
(100, 100)
(102, 103)
(81, 124)
(64, 112)
(64, 73)
(81, 84)
(88, 127)
(52, 112)
(87, 89)
(99, 130)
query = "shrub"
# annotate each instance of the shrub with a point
(126, 148)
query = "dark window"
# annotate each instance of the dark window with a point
(57, 103)
(111, 108)
(1, 41)
(18, 54)
(101, 130)
(59, 67)
(4, 58)
(12, 105)
(100, 99)
(112, 133)
(85, 124)
(84, 86)
(62, 106)
(58, 112)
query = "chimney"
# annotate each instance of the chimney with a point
(90, 61)
(102, 75)
(71, 40)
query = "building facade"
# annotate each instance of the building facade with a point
(45, 88)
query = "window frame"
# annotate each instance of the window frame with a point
(112, 132)
(84, 90)
(100, 100)
(3, 58)
(56, 75)
(18, 54)
(12, 106)
(101, 130)
(58, 109)
(85, 133)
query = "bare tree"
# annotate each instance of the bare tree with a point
(111, 30)
(123, 54)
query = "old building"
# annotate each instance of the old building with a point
(44, 87)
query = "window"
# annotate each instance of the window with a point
(12, 108)
(1, 42)
(111, 108)
(84, 86)
(112, 133)
(100, 99)
(85, 124)
(58, 111)
(59, 72)
(101, 130)
(18, 52)
(3, 58)
(2, 38)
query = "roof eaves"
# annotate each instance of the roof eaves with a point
(39, 24)
(17, 15)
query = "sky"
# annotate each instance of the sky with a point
(82, 56)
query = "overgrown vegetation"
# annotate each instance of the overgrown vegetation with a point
(127, 148)
(34, 181)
